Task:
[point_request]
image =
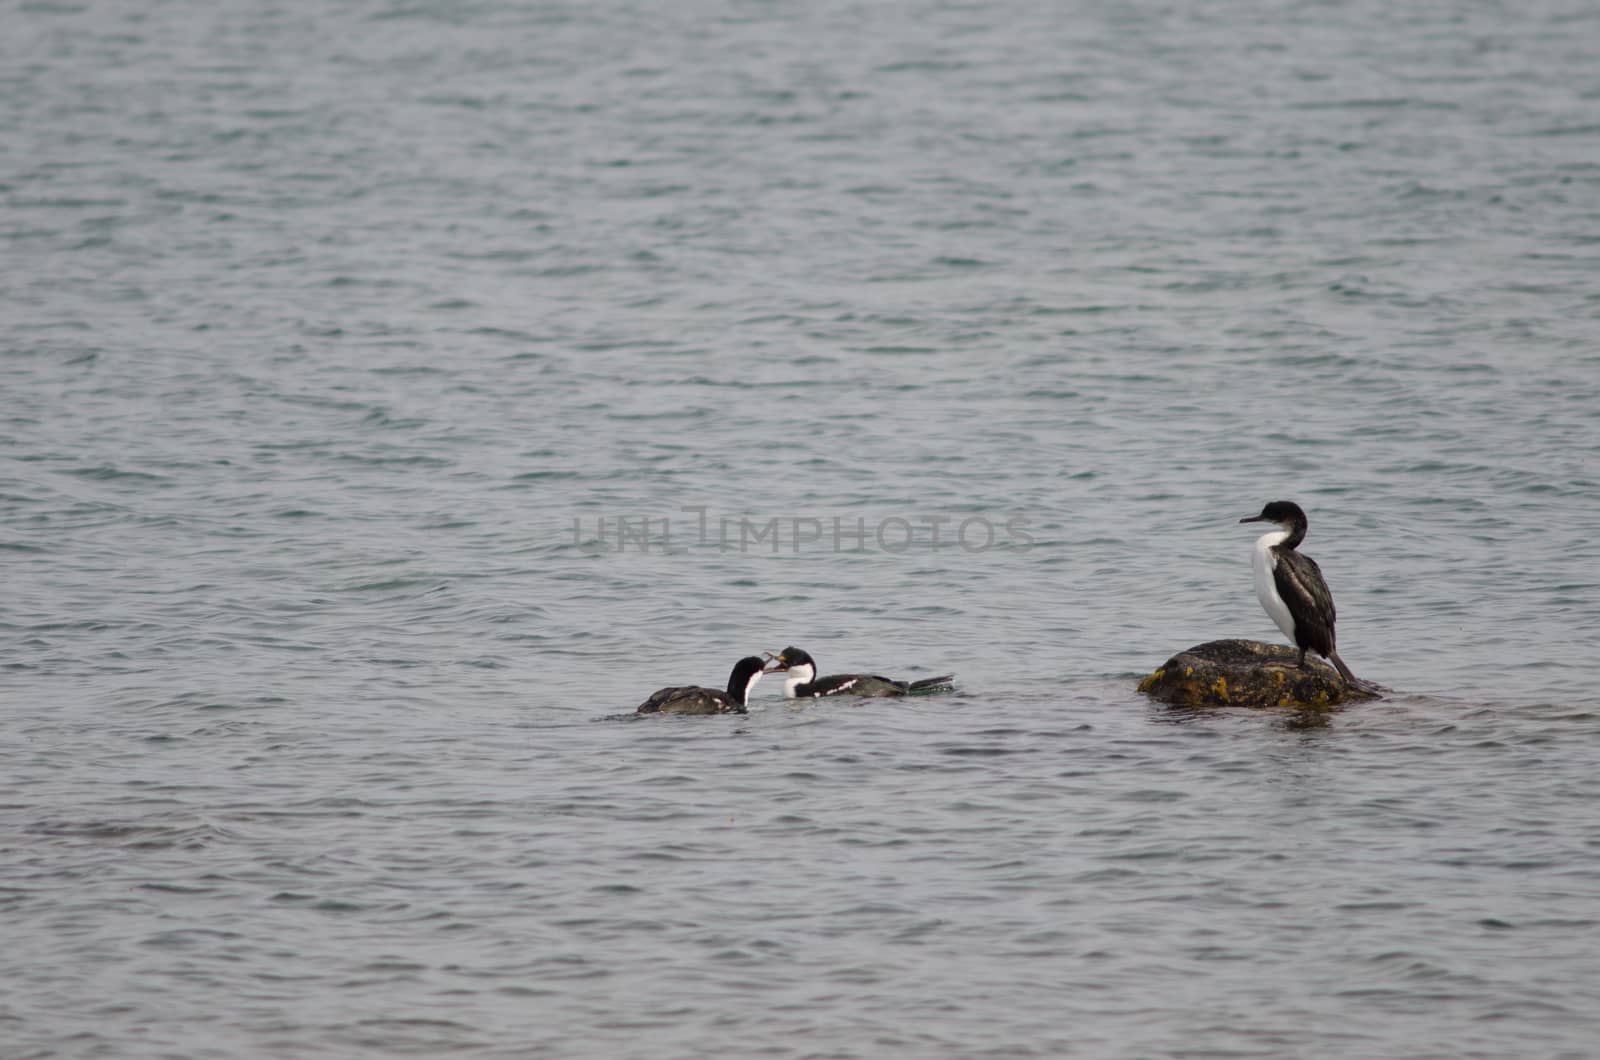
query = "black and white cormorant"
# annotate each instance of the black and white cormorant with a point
(692, 699)
(803, 682)
(1290, 587)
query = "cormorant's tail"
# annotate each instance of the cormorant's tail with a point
(1344, 671)
(932, 684)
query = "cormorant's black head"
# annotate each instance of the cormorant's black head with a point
(1284, 513)
(789, 658)
(746, 672)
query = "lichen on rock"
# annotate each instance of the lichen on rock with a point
(1248, 673)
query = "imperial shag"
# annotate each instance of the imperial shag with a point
(692, 699)
(803, 682)
(1290, 587)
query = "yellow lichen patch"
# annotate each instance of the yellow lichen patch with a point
(1188, 671)
(1220, 690)
(1150, 682)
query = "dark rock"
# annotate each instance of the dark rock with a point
(1247, 673)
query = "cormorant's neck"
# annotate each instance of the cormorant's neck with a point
(1271, 540)
(1294, 533)
(740, 692)
(799, 681)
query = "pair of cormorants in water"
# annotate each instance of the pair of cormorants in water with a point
(1288, 583)
(802, 683)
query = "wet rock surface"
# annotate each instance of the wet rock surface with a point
(1248, 673)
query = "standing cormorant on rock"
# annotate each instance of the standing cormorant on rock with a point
(1290, 587)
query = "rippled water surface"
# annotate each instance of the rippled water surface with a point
(394, 394)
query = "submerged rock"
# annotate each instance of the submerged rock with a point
(1248, 673)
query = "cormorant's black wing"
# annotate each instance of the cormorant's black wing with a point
(1305, 593)
(835, 684)
(659, 698)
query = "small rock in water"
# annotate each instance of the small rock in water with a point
(1248, 673)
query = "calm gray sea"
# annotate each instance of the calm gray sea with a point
(392, 392)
